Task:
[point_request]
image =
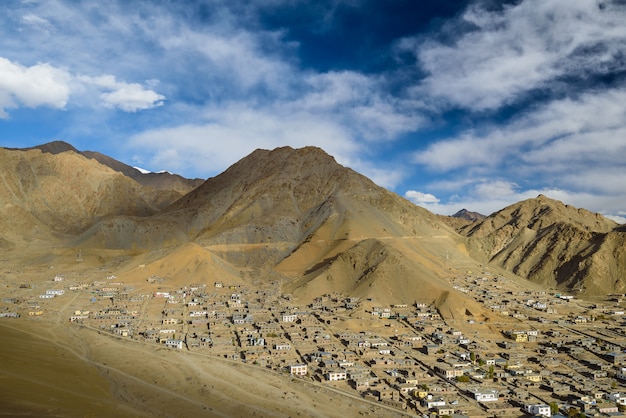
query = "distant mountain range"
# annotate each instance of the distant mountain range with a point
(296, 216)
(470, 216)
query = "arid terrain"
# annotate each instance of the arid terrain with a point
(285, 255)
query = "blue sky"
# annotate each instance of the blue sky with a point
(454, 104)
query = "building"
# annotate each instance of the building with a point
(298, 369)
(485, 395)
(289, 317)
(335, 375)
(171, 343)
(541, 410)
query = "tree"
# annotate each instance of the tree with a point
(463, 379)
(554, 408)
(473, 357)
(491, 372)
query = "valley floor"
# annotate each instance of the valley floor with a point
(99, 347)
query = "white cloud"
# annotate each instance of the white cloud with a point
(616, 218)
(34, 86)
(38, 23)
(489, 196)
(132, 97)
(507, 53)
(129, 97)
(420, 198)
(572, 141)
(231, 132)
(45, 85)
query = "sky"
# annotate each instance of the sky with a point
(451, 104)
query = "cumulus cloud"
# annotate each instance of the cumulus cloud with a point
(420, 198)
(45, 85)
(129, 97)
(34, 86)
(503, 54)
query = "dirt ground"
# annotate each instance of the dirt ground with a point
(58, 369)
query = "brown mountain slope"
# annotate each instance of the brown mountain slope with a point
(297, 215)
(553, 244)
(387, 273)
(176, 267)
(43, 194)
(323, 227)
(293, 196)
(161, 181)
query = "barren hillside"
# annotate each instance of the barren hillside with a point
(298, 216)
(161, 181)
(63, 194)
(553, 244)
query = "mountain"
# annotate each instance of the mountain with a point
(470, 216)
(554, 244)
(297, 216)
(160, 181)
(461, 219)
(48, 196)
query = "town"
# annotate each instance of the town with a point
(548, 354)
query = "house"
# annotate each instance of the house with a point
(540, 409)
(517, 336)
(616, 358)
(485, 395)
(431, 402)
(289, 318)
(282, 347)
(448, 372)
(335, 375)
(298, 369)
(444, 411)
(171, 343)
(617, 397)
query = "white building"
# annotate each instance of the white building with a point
(298, 369)
(336, 375)
(486, 395)
(289, 317)
(174, 344)
(541, 409)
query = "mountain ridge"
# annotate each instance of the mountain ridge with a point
(160, 181)
(552, 243)
(296, 215)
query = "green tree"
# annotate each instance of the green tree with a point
(473, 357)
(491, 372)
(463, 379)
(554, 408)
